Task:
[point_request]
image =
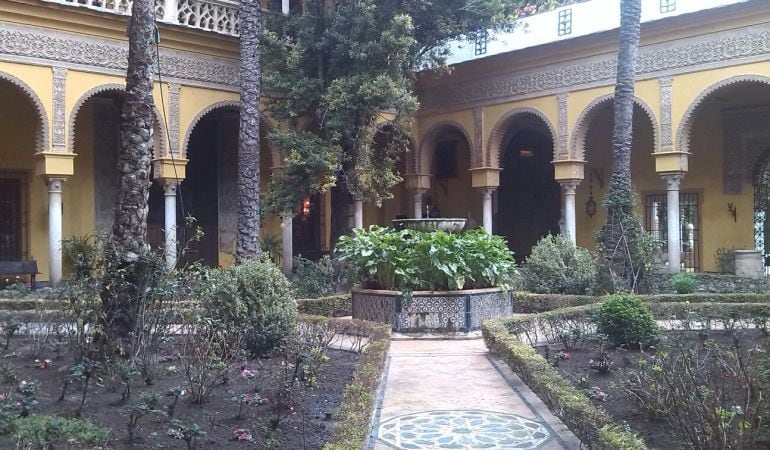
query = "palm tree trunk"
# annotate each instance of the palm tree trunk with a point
(129, 229)
(621, 233)
(248, 148)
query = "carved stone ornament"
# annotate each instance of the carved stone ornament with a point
(47, 46)
(59, 81)
(665, 112)
(562, 145)
(686, 55)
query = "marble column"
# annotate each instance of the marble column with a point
(285, 7)
(568, 190)
(673, 225)
(486, 206)
(170, 11)
(54, 229)
(358, 213)
(417, 196)
(287, 244)
(169, 224)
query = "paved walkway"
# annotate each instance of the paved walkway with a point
(452, 394)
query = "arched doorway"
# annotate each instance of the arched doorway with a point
(448, 151)
(528, 199)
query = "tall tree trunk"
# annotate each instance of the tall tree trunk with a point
(621, 235)
(129, 230)
(248, 146)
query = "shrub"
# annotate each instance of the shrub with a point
(332, 306)
(626, 320)
(254, 296)
(315, 279)
(39, 431)
(556, 265)
(684, 283)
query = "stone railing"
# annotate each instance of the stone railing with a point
(219, 16)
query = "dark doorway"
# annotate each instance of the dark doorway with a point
(529, 199)
(12, 215)
(306, 228)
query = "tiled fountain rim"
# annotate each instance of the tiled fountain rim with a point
(430, 293)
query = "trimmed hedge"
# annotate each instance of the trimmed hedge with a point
(528, 303)
(590, 424)
(358, 400)
(331, 306)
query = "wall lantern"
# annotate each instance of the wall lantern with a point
(526, 153)
(591, 206)
(305, 206)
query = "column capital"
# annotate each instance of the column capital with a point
(671, 161)
(55, 184)
(487, 191)
(170, 186)
(55, 164)
(672, 180)
(569, 186)
(417, 181)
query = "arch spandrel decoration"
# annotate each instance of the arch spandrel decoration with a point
(120, 89)
(583, 123)
(43, 131)
(423, 159)
(494, 145)
(684, 130)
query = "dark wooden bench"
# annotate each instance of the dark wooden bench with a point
(20, 268)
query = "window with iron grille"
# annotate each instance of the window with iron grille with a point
(13, 215)
(565, 22)
(482, 38)
(656, 224)
(667, 6)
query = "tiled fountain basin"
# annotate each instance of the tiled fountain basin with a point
(432, 311)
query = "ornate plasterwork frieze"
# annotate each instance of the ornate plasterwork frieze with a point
(561, 99)
(686, 55)
(478, 123)
(173, 117)
(59, 127)
(108, 55)
(665, 112)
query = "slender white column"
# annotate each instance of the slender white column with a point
(169, 224)
(54, 230)
(486, 208)
(417, 197)
(170, 11)
(287, 244)
(568, 189)
(674, 226)
(358, 213)
(285, 7)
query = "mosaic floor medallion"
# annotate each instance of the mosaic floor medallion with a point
(462, 430)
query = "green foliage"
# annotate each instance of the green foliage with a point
(186, 430)
(254, 296)
(270, 246)
(627, 320)
(83, 253)
(684, 283)
(408, 260)
(315, 279)
(331, 306)
(44, 432)
(592, 425)
(556, 265)
(342, 67)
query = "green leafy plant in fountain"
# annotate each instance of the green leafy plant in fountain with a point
(408, 260)
(557, 266)
(683, 283)
(627, 320)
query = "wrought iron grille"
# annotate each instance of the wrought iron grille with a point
(656, 223)
(482, 39)
(565, 22)
(667, 6)
(13, 215)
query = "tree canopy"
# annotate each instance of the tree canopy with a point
(340, 70)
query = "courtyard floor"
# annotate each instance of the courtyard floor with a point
(454, 394)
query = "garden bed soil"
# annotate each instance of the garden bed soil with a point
(619, 404)
(308, 427)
